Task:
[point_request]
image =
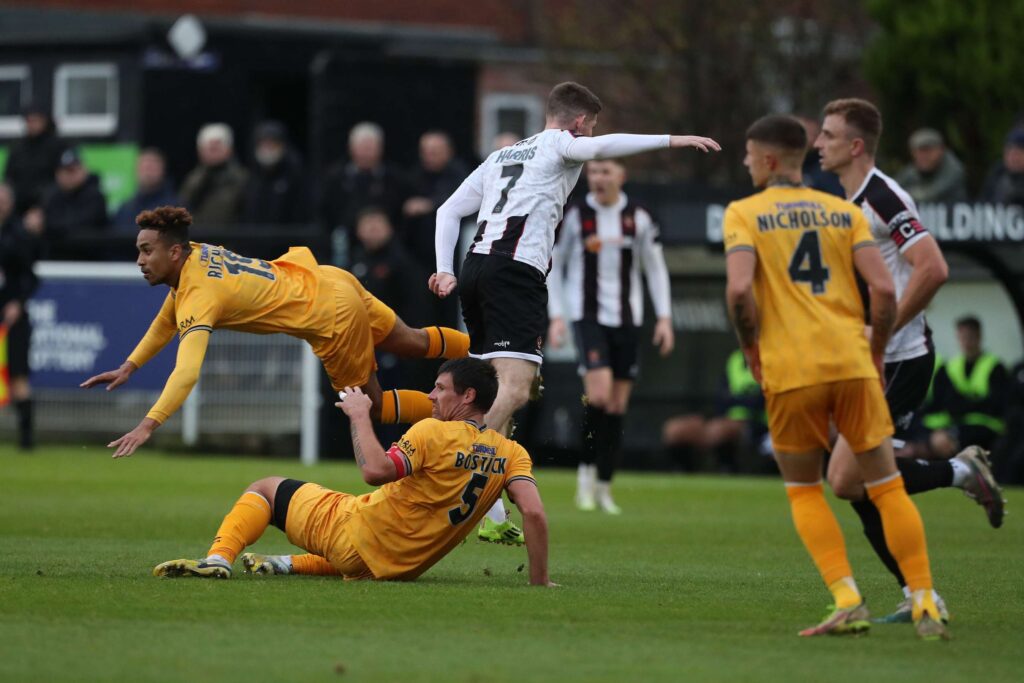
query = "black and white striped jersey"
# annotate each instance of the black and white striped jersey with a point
(519, 193)
(896, 225)
(596, 264)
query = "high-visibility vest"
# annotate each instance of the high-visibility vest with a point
(974, 387)
(741, 383)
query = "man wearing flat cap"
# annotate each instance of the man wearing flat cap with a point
(935, 175)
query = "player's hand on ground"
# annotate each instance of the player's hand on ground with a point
(442, 284)
(130, 442)
(556, 332)
(753, 356)
(700, 142)
(664, 336)
(355, 402)
(113, 378)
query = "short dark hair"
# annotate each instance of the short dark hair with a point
(372, 210)
(473, 373)
(861, 115)
(779, 130)
(568, 100)
(172, 222)
(971, 322)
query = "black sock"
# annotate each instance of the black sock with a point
(609, 450)
(924, 475)
(593, 433)
(872, 521)
(26, 438)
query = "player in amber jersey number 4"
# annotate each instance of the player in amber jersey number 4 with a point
(792, 256)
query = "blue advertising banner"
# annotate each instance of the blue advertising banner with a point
(82, 327)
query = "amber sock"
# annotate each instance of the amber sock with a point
(820, 532)
(446, 342)
(904, 530)
(404, 406)
(313, 565)
(243, 526)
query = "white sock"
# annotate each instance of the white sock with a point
(585, 479)
(604, 489)
(961, 471)
(218, 559)
(497, 512)
(906, 591)
(286, 560)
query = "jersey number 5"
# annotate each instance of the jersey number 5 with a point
(470, 497)
(514, 172)
(808, 250)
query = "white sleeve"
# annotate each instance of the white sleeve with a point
(465, 201)
(562, 251)
(652, 260)
(612, 146)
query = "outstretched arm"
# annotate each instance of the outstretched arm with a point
(535, 527)
(374, 463)
(191, 352)
(160, 333)
(625, 144)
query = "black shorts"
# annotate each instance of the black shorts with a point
(600, 346)
(906, 386)
(18, 338)
(282, 498)
(504, 304)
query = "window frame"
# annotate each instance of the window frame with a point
(85, 124)
(492, 103)
(14, 126)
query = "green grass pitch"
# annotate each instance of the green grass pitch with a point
(702, 579)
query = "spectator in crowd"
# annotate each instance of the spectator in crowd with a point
(18, 251)
(814, 175)
(154, 189)
(436, 177)
(365, 180)
(75, 205)
(971, 394)
(386, 268)
(277, 193)
(740, 421)
(1005, 181)
(935, 174)
(214, 191)
(33, 159)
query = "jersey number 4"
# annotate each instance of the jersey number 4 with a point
(806, 265)
(514, 172)
(470, 497)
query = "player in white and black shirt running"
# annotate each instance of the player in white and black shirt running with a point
(847, 142)
(518, 194)
(605, 241)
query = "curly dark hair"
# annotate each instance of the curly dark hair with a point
(172, 222)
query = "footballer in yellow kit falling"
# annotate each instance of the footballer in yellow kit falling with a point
(214, 288)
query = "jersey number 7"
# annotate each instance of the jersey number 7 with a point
(470, 497)
(514, 171)
(808, 250)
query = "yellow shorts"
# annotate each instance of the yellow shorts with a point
(382, 318)
(798, 419)
(316, 522)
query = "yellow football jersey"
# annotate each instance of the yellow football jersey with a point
(220, 289)
(451, 473)
(811, 312)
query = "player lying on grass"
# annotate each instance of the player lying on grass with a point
(436, 484)
(214, 288)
